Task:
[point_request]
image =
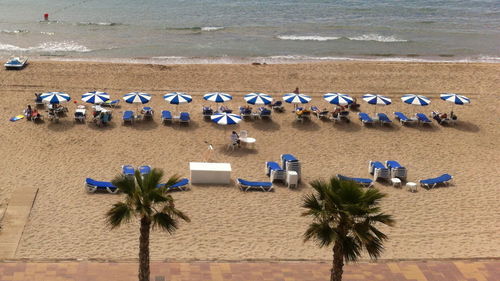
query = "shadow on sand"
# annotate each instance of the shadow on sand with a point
(465, 126)
(266, 125)
(306, 125)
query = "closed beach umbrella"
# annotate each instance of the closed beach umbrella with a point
(217, 97)
(338, 98)
(416, 100)
(375, 99)
(177, 98)
(55, 97)
(258, 98)
(95, 97)
(137, 97)
(225, 118)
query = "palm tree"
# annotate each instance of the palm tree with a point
(152, 205)
(345, 215)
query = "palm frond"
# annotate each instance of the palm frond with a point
(120, 213)
(164, 222)
(124, 184)
(343, 212)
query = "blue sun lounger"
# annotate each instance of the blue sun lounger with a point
(365, 118)
(144, 170)
(181, 185)
(264, 113)
(111, 103)
(433, 182)
(422, 118)
(166, 116)
(247, 185)
(383, 118)
(128, 170)
(93, 186)
(274, 171)
(403, 119)
(128, 116)
(378, 170)
(397, 170)
(184, 117)
(361, 181)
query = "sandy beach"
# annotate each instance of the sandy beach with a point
(460, 221)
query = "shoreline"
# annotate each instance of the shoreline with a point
(179, 60)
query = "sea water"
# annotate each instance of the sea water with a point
(225, 31)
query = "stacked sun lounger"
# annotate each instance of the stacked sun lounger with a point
(397, 170)
(290, 163)
(378, 170)
(275, 172)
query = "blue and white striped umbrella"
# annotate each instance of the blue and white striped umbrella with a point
(55, 97)
(296, 98)
(338, 98)
(217, 97)
(416, 99)
(137, 97)
(95, 97)
(177, 98)
(456, 99)
(258, 98)
(226, 118)
(376, 99)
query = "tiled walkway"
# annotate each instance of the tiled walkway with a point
(242, 271)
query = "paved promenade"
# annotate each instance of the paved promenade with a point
(256, 271)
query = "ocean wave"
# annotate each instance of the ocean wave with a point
(196, 28)
(99, 23)
(377, 38)
(65, 46)
(47, 33)
(364, 37)
(211, 28)
(17, 31)
(306, 38)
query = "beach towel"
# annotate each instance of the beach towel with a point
(17, 117)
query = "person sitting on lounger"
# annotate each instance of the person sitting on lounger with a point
(27, 112)
(453, 116)
(35, 115)
(235, 138)
(443, 116)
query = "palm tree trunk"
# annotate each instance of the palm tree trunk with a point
(338, 263)
(144, 249)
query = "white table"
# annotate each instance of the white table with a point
(411, 186)
(396, 182)
(248, 141)
(210, 173)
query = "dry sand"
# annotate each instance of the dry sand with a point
(461, 221)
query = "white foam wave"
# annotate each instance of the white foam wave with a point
(65, 46)
(47, 33)
(98, 23)
(377, 37)
(364, 37)
(307, 38)
(211, 28)
(17, 31)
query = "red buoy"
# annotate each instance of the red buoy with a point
(46, 16)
